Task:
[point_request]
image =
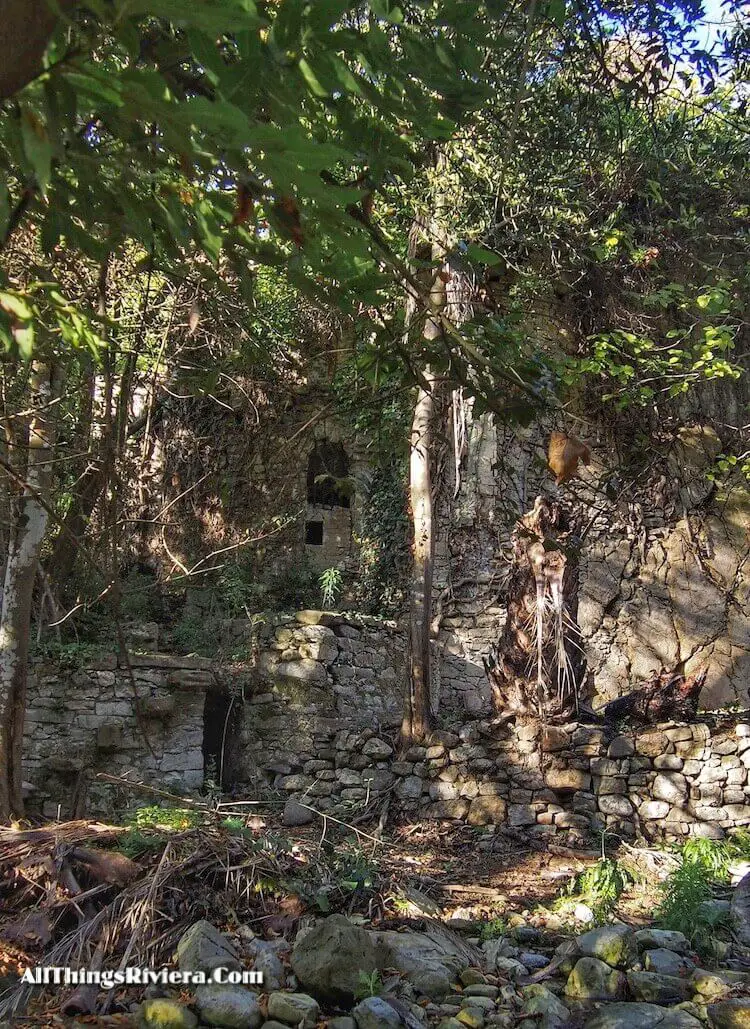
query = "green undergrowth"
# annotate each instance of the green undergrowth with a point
(701, 876)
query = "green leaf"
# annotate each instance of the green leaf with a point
(37, 147)
(480, 255)
(316, 86)
(556, 11)
(209, 229)
(212, 17)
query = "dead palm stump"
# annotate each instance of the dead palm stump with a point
(537, 667)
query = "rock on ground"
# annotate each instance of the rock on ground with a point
(329, 958)
(376, 1013)
(233, 1007)
(730, 1014)
(592, 979)
(614, 944)
(641, 1016)
(658, 989)
(160, 1013)
(669, 939)
(203, 948)
(298, 1009)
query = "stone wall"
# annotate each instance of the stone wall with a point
(664, 566)
(82, 722)
(314, 714)
(670, 781)
(316, 674)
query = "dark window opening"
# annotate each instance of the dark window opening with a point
(328, 483)
(314, 534)
(221, 751)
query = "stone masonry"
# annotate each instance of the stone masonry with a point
(320, 704)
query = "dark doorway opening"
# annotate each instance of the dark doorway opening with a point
(314, 534)
(221, 752)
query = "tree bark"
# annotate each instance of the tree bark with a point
(25, 30)
(417, 710)
(28, 533)
(417, 720)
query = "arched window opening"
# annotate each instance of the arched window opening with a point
(328, 483)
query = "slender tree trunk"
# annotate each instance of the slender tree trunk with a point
(29, 528)
(417, 718)
(417, 713)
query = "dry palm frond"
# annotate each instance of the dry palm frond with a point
(143, 921)
(17, 845)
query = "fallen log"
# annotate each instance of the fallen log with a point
(107, 866)
(665, 696)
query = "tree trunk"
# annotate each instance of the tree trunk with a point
(537, 668)
(417, 720)
(25, 30)
(29, 528)
(417, 711)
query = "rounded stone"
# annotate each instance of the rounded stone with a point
(592, 979)
(233, 1007)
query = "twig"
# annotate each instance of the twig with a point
(141, 787)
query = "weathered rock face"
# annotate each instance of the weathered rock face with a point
(730, 1014)
(438, 950)
(657, 586)
(664, 781)
(87, 719)
(614, 944)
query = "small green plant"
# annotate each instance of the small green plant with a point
(370, 985)
(235, 592)
(193, 634)
(134, 843)
(71, 654)
(714, 856)
(688, 887)
(494, 929)
(354, 869)
(330, 585)
(601, 886)
(401, 905)
(172, 819)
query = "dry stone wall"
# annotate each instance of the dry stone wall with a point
(82, 722)
(669, 782)
(318, 707)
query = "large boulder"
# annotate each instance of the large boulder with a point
(329, 958)
(669, 939)
(626, 1016)
(613, 944)
(437, 949)
(653, 988)
(298, 1009)
(376, 1013)
(592, 979)
(541, 1008)
(730, 1014)
(666, 962)
(641, 1016)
